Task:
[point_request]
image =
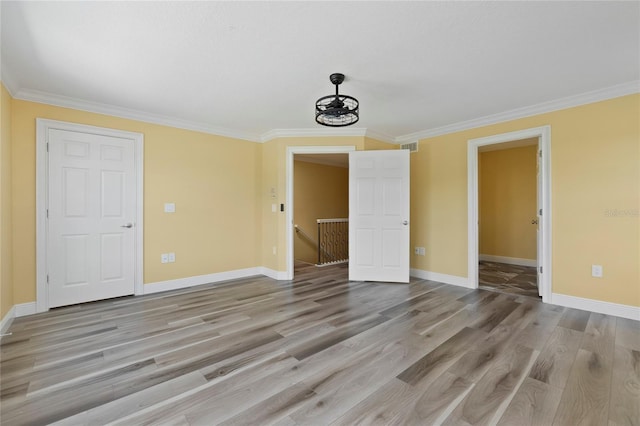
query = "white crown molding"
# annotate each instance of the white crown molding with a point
(325, 132)
(545, 107)
(8, 81)
(311, 132)
(611, 92)
(116, 111)
(380, 136)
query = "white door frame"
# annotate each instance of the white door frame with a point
(291, 151)
(42, 185)
(544, 145)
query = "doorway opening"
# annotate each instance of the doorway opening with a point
(508, 222)
(321, 209)
(292, 152)
(513, 264)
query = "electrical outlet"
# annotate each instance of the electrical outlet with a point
(596, 271)
(422, 251)
(416, 250)
(164, 258)
(172, 257)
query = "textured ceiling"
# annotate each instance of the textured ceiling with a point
(246, 68)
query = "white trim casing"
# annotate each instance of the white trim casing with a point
(441, 278)
(544, 145)
(291, 151)
(508, 260)
(42, 172)
(218, 277)
(608, 308)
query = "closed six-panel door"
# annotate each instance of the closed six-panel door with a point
(91, 214)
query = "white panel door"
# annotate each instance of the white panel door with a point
(539, 269)
(91, 208)
(379, 216)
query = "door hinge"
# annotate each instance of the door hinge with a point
(47, 146)
(47, 213)
(540, 212)
(47, 278)
(541, 269)
(540, 153)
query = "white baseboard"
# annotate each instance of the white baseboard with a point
(508, 260)
(23, 309)
(271, 273)
(19, 310)
(608, 308)
(7, 320)
(199, 280)
(442, 278)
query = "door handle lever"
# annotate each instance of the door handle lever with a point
(128, 225)
(406, 222)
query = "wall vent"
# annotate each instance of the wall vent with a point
(412, 147)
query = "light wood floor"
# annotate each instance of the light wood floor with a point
(321, 350)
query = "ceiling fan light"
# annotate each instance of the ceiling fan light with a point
(337, 110)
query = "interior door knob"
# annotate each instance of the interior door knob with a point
(128, 225)
(406, 222)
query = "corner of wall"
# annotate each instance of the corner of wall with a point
(6, 215)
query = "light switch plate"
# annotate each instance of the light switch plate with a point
(169, 207)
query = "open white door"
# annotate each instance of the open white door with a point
(379, 216)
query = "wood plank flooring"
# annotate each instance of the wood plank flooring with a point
(504, 278)
(321, 350)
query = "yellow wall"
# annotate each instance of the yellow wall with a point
(507, 199)
(222, 190)
(212, 179)
(319, 192)
(595, 172)
(6, 239)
